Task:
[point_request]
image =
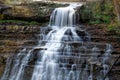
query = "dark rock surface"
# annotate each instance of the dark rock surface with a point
(101, 35)
(13, 38)
(35, 11)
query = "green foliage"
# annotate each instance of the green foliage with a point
(19, 22)
(115, 27)
(95, 22)
(101, 13)
(96, 12)
(33, 23)
(85, 14)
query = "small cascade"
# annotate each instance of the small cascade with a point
(63, 17)
(16, 65)
(64, 52)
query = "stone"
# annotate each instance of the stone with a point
(35, 11)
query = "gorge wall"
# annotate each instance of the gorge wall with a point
(13, 37)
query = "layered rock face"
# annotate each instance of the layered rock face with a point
(12, 38)
(36, 11)
(68, 0)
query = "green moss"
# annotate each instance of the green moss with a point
(19, 22)
(95, 22)
(33, 23)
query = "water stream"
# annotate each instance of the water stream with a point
(66, 55)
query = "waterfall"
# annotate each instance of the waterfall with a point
(62, 22)
(66, 54)
(16, 65)
(63, 17)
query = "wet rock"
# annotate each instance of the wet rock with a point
(30, 42)
(1, 69)
(2, 60)
(2, 64)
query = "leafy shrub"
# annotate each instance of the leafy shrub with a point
(114, 27)
(96, 12)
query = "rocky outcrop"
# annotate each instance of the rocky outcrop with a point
(12, 39)
(36, 11)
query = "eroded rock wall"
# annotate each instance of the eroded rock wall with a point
(13, 38)
(36, 11)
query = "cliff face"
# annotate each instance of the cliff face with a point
(36, 11)
(68, 0)
(13, 38)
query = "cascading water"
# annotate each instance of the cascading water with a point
(62, 22)
(16, 65)
(64, 56)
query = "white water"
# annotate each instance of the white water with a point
(64, 29)
(62, 58)
(62, 22)
(16, 65)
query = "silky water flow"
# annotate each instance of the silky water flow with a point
(66, 55)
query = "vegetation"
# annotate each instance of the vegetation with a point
(114, 27)
(101, 12)
(97, 12)
(105, 12)
(19, 22)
